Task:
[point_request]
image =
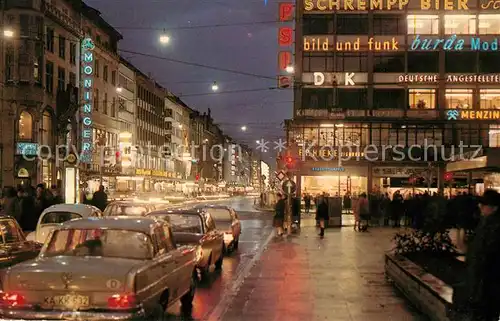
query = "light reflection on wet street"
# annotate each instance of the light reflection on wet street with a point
(256, 227)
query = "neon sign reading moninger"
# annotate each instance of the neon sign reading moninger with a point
(87, 86)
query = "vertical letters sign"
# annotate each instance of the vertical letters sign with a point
(285, 39)
(87, 88)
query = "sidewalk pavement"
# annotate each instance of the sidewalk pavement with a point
(303, 277)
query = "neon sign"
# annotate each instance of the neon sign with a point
(326, 43)
(364, 5)
(451, 78)
(87, 85)
(454, 114)
(453, 43)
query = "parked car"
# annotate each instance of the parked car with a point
(128, 208)
(227, 220)
(57, 214)
(14, 247)
(196, 227)
(102, 269)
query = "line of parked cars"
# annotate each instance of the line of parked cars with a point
(130, 262)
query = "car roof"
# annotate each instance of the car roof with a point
(213, 206)
(131, 223)
(178, 211)
(131, 203)
(82, 209)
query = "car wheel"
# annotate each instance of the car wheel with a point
(187, 299)
(157, 313)
(218, 263)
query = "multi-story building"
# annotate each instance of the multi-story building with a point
(370, 77)
(126, 109)
(40, 58)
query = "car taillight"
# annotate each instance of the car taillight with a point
(11, 299)
(122, 301)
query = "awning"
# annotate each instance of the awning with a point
(488, 163)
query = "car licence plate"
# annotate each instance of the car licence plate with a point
(69, 301)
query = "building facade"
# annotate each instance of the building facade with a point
(383, 98)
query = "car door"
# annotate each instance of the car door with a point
(236, 222)
(168, 262)
(215, 237)
(182, 261)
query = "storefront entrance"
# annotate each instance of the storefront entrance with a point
(335, 185)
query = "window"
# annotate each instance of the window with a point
(388, 24)
(96, 100)
(352, 62)
(388, 63)
(113, 107)
(168, 238)
(317, 62)
(25, 126)
(72, 78)
(9, 63)
(72, 53)
(388, 98)
(459, 24)
(113, 77)
(62, 47)
(10, 232)
(459, 98)
(96, 68)
(423, 24)
(49, 77)
(352, 98)
(489, 24)
(488, 62)
(105, 104)
(24, 21)
(494, 136)
(422, 98)
(352, 24)
(61, 79)
(47, 128)
(460, 62)
(490, 98)
(59, 217)
(317, 98)
(318, 24)
(105, 73)
(49, 39)
(423, 62)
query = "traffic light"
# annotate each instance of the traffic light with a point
(197, 177)
(289, 161)
(448, 176)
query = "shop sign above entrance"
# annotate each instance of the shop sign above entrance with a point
(321, 113)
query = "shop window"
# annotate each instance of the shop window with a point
(25, 126)
(423, 62)
(490, 98)
(310, 135)
(458, 98)
(423, 24)
(459, 24)
(494, 136)
(351, 62)
(489, 24)
(47, 172)
(388, 62)
(422, 98)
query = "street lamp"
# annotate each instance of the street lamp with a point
(215, 87)
(290, 69)
(8, 33)
(244, 128)
(119, 89)
(257, 141)
(164, 38)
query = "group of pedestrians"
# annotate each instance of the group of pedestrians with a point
(26, 203)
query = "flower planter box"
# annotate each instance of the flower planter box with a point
(426, 292)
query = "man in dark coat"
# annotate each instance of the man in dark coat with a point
(279, 215)
(483, 262)
(322, 215)
(100, 199)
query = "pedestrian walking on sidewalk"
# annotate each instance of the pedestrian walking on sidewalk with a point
(322, 215)
(279, 215)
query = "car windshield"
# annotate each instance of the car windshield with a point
(219, 214)
(58, 217)
(185, 223)
(100, 242)
(126, 210)
(9, 232)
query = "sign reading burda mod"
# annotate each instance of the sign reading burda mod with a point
(285, 40)
(86, 111)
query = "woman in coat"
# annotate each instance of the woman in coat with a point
(322, 215)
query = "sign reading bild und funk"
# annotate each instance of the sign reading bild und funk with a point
(87, 84)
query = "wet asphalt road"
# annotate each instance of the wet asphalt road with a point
(256, 228)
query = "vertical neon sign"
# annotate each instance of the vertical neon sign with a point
(87, 86)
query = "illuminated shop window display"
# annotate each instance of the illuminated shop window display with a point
(494, 136)
(422, 98)
(458, 98)
(460, 24)
(490, 98)
(336, 183)
(25, 125)
(489, 24)
(423, 24)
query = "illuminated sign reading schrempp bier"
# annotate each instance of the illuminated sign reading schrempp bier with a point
(86, 111)
(364, 5)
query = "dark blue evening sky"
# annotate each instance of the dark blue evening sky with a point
(249, 48)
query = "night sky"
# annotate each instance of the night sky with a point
(247, 48)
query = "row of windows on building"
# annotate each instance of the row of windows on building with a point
(411, 62)
(397, 98)
(359, 134)
(400, 24)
